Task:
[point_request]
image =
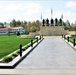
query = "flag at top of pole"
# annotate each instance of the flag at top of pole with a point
(51, 11)
(41, 16)
(62, 16)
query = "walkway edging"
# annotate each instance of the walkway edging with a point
(18, 59)
(70, 44)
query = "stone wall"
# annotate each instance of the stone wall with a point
(71, 32)
(52, 31)
(34, 33)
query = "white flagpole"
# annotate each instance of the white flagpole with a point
(41, 16)
(51, 13)
(62, 18)
(41, 19)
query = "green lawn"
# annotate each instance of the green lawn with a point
(9, 44)
(71, 39)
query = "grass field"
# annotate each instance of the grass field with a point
(9, 44)
(71, 39)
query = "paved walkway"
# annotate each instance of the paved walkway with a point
(51, 53)
(52, 56)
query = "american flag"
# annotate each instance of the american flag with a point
(51, 11)
(41, 16)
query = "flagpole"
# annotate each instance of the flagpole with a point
(41, 20)
(51, 13)
(41, 16)
(62, 18)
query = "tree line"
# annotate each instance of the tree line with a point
(35, 25)
(29, 26)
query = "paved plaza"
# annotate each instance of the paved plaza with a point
(52, 56)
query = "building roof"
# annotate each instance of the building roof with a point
(11, 28)
(3, 28)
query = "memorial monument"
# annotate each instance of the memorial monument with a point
(53, 27)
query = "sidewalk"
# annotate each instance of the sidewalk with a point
(53, 56)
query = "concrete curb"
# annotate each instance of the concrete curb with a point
(18, 59)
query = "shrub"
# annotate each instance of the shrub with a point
(15, 54)
(34, 41)
(18, 33)
(7, 59)
(28, 45)
(18, 51)
(23, 49)
(39, 38)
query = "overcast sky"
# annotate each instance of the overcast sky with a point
(31, 10)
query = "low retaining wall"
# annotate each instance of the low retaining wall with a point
(27, 36)
(18, 59)
(52, 31)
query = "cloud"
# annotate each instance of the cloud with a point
(55, 14)
(67, 15)
(31, 11)
(5, 17)
(13, 7)
(32, 8)
(19, 11)
(71, 4)
(70, 13)
(70, 16)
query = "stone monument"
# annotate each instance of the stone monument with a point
(54, 28)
